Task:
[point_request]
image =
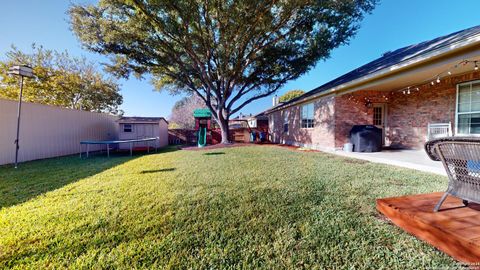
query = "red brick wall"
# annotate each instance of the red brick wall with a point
(407, 115)
(320, 137)
(351, 109)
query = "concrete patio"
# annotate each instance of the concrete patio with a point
(412, 159)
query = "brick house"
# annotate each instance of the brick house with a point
(402, 92)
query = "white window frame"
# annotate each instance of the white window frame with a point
(456, 109)
(301, 115)
(131, 128)
(286, 121)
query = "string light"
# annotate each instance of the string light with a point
(437, 79)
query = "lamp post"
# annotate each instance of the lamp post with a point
(22, 71)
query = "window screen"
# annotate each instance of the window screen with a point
(308, 116)
(468, 108)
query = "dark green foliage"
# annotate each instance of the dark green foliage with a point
(291, 95)
(61, 80)
(229, 53)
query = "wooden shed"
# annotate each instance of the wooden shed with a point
(131, 128)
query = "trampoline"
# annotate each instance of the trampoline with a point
(108, 143)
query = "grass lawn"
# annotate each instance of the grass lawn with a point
(245, 207)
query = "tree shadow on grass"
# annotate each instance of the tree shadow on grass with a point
(214, 153)
(159, 170)
(34, 178)
(126, 152)
(37, 177)
(153, 234)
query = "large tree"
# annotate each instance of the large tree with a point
(61, 80)
(290, 95)
(228, 52)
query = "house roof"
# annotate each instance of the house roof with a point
(137, 119)
(390, 59)
(259, 116)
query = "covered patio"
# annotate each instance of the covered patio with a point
(443, 88)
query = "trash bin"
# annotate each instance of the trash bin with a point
(348, 147)
(253, 136)
(262, 136)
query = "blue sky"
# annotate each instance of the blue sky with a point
(392, 24)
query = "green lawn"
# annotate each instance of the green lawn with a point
(244, 207)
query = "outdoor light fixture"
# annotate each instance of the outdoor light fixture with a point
(22, 71)
(476, 66)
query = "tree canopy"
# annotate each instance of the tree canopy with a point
(229, 53)
(60, 80)
(290, 95)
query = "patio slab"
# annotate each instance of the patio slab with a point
(412, 159)
(455, 229)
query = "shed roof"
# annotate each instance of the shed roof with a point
(138, 119)
(392, 58)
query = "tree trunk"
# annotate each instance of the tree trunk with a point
(223, 123)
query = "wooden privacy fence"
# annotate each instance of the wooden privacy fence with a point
(188, 136)
(49, 131)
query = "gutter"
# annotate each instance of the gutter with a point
(399, 67)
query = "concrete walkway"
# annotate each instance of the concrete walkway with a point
(412, 159)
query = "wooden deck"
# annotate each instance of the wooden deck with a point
(455, 229)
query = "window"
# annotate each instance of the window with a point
(308, 113)
(377, 116)
(127, 128)
(252, 123)
(468, 108)
(285, 121)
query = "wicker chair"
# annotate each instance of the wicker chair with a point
(461, 158)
